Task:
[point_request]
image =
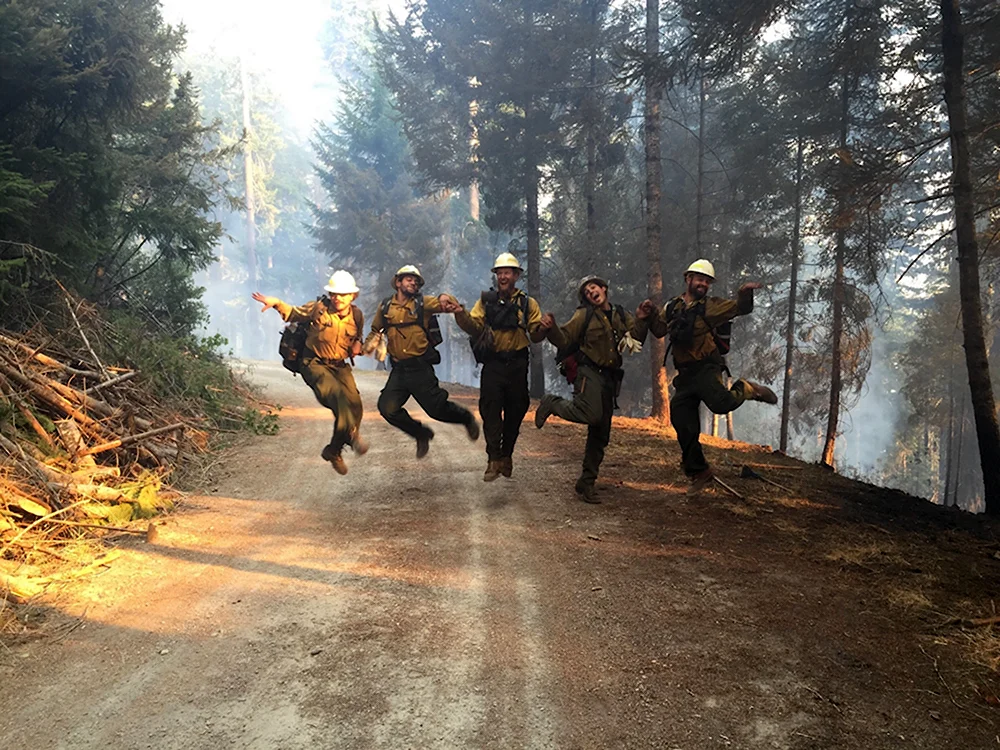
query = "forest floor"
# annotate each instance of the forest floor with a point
(411, 605)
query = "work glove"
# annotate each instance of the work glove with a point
(375, 345)
(629, 344)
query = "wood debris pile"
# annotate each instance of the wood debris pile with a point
(84, 446)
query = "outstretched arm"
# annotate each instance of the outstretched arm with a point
(561, 336)
(471, 322)
(288, 313)
(268, 302)
(718, 311)
(536, 331)
(651, 318)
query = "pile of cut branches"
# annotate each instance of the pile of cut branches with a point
(85, 445)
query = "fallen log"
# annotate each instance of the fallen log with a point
(121, 442)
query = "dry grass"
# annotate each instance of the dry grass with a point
(740, 509)
(983, 647)
(9, 624)
(907, 598)
(873, 552)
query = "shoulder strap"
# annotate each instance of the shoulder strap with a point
(418, 302)
(524, 312)
(418, 308)
(672, 306)
(356, 312)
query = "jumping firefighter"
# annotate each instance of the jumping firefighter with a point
(333, 338)
(591, 343)
(692, 322)
(408, 323)
(503, 324)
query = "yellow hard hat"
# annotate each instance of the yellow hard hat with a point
(407, 271)
(506, 260)
(341, 283)
(702, 266)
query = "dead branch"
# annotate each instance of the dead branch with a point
(83, 336)
(131, 439)
(727, 488)
(49, 361)
(119, 529)
(52, 398)
(114, 381)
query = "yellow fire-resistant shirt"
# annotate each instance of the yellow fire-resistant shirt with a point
(717, 312)
(598, 343)
(505, 340)
(407, 341)
(330, 335)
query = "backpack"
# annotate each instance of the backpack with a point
(681, 322)
(432, 328)
(567, 358)
(293, 339)
(500, 316)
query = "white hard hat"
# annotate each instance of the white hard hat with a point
(702, 266)
(408, 270)
(586, 280)
(341, 283)
(506, 260)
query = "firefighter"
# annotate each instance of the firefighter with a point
(592, 342)
(406, 320)
(333, 339)
(503, 324)
(692, 321)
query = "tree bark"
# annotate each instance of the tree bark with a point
(474, 159)
(654, 179)
(796, 252)
(951, 436)
(254, 345)
(955, 497)
(590, 111)
(248, 179)
(837, 325)
(973, 335)
(700, 192)
(537, 376)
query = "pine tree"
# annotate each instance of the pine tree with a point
(519, 63)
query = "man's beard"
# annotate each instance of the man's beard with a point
(697, 293)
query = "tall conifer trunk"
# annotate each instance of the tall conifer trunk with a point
(654, 181)
(590, 181)
(837, 324)
(973, 335)
(254, 346)
(536, 380)
(796, 252)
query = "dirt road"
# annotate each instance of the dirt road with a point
(410, 605)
